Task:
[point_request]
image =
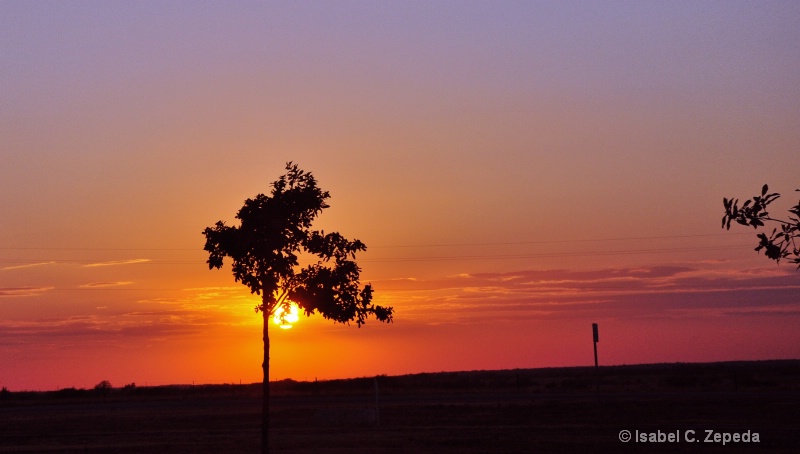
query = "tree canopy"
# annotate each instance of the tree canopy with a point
(782, 242)
(265, 248)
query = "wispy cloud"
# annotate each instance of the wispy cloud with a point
(116, 262)
(80, 330)
(27, 265)
(23, 291)
(209, 297)
(636, 293)
(613, 292)
(104, 327)
(105, 284)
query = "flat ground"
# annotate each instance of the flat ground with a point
(537, 410)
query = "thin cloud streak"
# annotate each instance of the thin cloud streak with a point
(116, 263)
(29, 265)
(208, 297)
(105, 284)
(23, 291)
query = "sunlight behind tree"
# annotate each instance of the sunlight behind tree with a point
(286, 318)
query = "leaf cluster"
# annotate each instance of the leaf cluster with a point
(274, 231)
(781, 243)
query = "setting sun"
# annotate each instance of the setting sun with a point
(283, 319)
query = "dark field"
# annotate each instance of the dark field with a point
(535, 410)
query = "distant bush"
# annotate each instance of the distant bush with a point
(103, 388)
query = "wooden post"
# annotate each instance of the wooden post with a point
(596, 338)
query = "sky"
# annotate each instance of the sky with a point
(517, 170)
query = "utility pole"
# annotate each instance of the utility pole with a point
(596, 340)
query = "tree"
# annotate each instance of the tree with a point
(103, 387)
(782, 242)
(274, 230)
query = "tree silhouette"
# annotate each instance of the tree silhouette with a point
(782, 242)
(103, 387)
(275, 229)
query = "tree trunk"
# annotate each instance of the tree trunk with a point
(265, 387)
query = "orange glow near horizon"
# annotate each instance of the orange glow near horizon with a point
(464, 321)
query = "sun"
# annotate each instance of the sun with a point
(284, 320)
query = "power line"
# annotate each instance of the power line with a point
(582, 240)
(490, 243)
(705, 286)
(551, 254)
(85, 262)
(19, 263)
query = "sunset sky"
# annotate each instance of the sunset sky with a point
(517, 170)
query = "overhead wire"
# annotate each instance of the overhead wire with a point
(488, 243)
(418, 258)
